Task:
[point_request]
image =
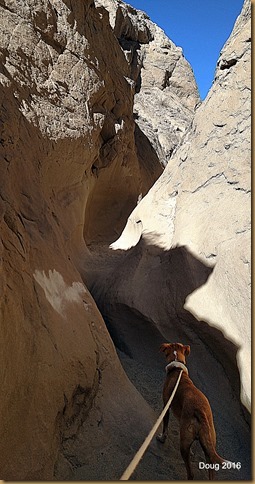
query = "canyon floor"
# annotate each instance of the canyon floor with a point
(137, 343)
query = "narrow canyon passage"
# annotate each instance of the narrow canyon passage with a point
(137, 341)
(105, 142)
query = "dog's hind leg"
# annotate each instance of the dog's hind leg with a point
(162, 437)
(185, 453)
(187, 437)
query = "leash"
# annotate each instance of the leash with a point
(133, 464)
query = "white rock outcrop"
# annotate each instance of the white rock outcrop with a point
(202, 201)
(166, 90)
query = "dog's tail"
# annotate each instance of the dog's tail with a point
(215, 458)
(210, 451)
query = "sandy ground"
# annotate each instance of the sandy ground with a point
(137, 342)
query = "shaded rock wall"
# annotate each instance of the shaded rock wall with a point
(66, 116)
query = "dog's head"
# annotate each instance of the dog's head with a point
(175, 352)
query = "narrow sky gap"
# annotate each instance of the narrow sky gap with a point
(200, 28)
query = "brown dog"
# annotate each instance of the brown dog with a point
(191, 408)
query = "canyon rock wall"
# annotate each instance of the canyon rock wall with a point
(79, 148)
(201, 204)
(166, 90)
(66, 128)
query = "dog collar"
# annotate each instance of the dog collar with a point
(176, 364)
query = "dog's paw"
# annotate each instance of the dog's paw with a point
(161, 438)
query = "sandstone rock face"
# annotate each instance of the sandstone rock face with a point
(74, 163)
(202, 202)
(166, 91)
(66, 128)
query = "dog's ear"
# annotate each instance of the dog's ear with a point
(164, 347)
(186, 350)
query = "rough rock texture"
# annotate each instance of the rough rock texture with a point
(66, 116)
(183, 261)
(166, 90)
(73, 166)
(202, 202)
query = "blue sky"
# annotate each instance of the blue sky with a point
(200, 27)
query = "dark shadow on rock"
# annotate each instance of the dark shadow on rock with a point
(132, 48)
(140, 319)
(148, 158)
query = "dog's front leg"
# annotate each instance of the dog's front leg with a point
(162, 437)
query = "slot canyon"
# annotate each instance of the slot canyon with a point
(125, 211)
